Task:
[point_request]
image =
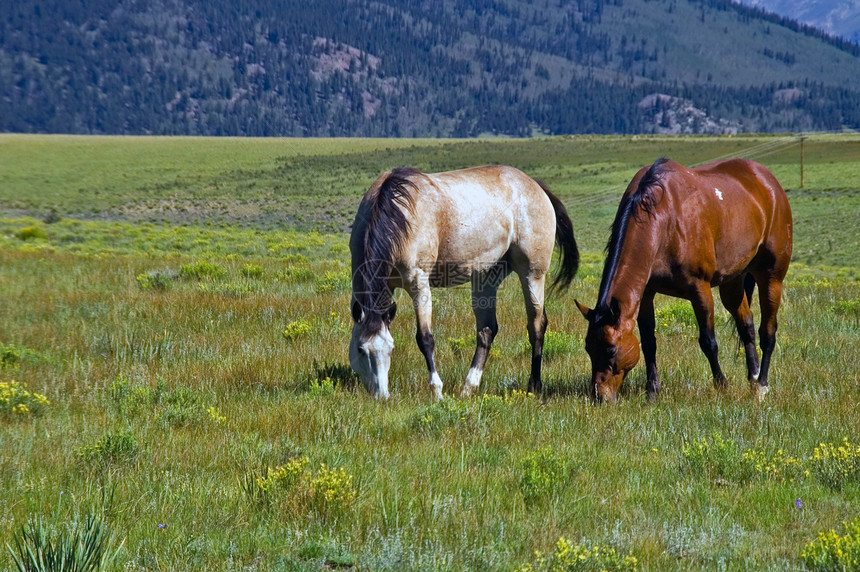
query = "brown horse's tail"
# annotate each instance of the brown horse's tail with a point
(569, 256)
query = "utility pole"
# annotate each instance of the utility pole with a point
(802, 137)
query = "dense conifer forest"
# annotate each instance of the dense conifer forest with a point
(417, 68)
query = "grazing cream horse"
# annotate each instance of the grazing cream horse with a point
(417, 230)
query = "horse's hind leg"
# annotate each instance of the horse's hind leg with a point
(484, 290)
(770, 297)
(703, 306)
(735, 297)
(419, 290)
(533, 292)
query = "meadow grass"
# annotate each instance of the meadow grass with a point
(187, 380)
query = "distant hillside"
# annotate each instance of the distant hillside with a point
(417, 67)
(837, 17)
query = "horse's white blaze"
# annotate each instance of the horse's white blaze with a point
(718, 193)
(371, 359)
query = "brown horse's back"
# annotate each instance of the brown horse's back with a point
(729, 217)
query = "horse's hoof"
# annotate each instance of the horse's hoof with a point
(467, 391)
(760, 391)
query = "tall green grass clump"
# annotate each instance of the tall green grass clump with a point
(544, 473)
(437, 417)
(201, 270)
(716, 457)
(110, 450)
(77, 547)
(177, 407)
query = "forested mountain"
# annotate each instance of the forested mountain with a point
(417, 68)
(838, 17)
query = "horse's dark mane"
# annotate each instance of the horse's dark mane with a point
(642, 199)
(385, 234)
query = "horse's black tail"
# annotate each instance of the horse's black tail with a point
(569, 256)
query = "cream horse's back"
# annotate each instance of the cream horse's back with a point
(416, 231)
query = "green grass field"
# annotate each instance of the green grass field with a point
(174, 324)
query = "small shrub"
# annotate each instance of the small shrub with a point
(201, 270)
(77, 547)
(112, 449)
(16, 401)
(717, 458)
(12, 356)
(333, 282)
(252, 271)
(296, 274)
(776, 466)
(321, 388)
(831, 552)
(155, 280)
(341, 375)
(848, 309)
(284, 478)
(437, 417)
(544, 473)
(297, 329)
(295, 490)
(332, 492)
(834, 465)
(569, 557)
(9, 355)
(30, 233)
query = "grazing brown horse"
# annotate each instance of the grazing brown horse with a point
(680, 232)
(415, 230)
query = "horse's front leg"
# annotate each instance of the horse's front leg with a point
(419, 290)
(703, 306)
(649, 344)
(484, 294)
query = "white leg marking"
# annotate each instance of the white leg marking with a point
(436, 385)
(473, 381)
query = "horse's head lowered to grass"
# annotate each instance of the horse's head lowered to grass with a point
(612, 346)
(371, 345)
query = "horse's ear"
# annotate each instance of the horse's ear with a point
(356, 311)
(614, 310)
(390, 313)
(583, 309)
